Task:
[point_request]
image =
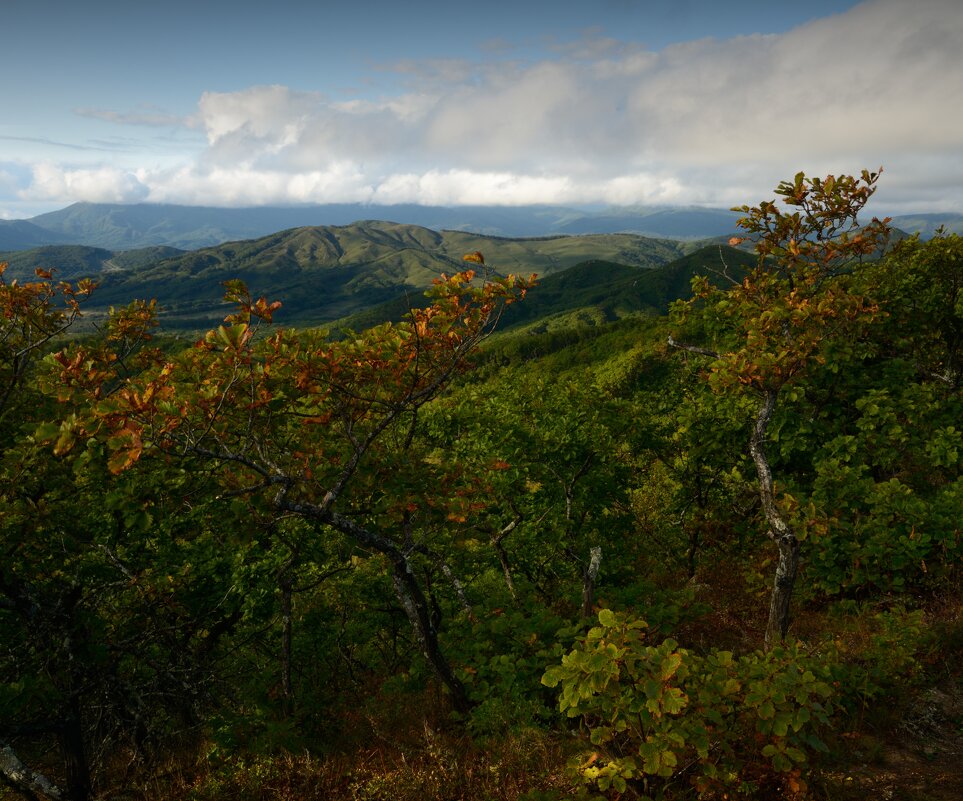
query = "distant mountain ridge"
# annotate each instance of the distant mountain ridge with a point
(70, 262)
(326, 272)
(126, 227)
(23, 235)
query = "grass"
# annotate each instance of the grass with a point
(436, 765)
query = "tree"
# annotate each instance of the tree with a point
(798, 307)
(550, 454)
(32, 314)
(104, 635)
(306, 427)
(876, 446)
(921, 287)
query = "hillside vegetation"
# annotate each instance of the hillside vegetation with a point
(682, 528)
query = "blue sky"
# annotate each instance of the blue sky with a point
(612, 101)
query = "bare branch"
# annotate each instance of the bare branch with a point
(25, 781)
(692, 348)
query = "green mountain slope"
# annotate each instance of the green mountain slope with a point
(22, 235)
(142, 257)
(67, 261)
(589, 293)
(617, 290)
(80, 261)
(322, 274)
(363, 274)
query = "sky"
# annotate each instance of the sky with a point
(594, 102)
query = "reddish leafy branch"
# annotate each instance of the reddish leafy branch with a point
(31, 314)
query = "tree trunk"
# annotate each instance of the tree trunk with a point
(777, 528)
(76, 770)
(782, 585)
(416, 607)
(506, 568)
(406, 586)
(588, 581)
(692, 552)
(496, 540)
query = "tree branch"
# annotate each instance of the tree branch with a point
(25, 781)
(692, 348)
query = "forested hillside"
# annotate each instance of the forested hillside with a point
(532, 539)
(323, 273)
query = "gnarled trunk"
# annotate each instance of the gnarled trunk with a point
(782, 585)
(76, 769)
(777, 528)
(416, 608)
(406, 586)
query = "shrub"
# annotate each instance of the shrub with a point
(660, 715)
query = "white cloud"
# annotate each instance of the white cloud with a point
(98, 185)
(707, 121)
(348, 182)
(261, 114)
(243, 185)
(885, 78)
(464, 187)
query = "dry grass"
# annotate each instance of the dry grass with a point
(444, 766)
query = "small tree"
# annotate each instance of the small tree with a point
(306, 427)
(797, 307)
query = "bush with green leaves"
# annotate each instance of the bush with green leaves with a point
(661, 716)
(504, 656)
(878, 654)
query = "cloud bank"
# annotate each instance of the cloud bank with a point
(704, 122)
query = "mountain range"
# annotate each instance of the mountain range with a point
(362, 273)
(126, 227)
(326, 272)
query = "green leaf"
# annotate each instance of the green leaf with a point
(796, 754)
(670, 664)
(607, 618)
(553, 676)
